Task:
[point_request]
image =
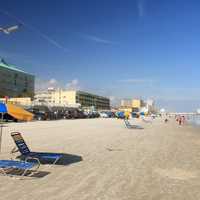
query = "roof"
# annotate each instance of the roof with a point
(9, 66)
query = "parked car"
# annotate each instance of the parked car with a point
(67, 114)
(42, 112)
(38, 114)
(82, 114)
(93, 114)
(58, 112)
(120, 115)
(74, 113)
(110, 114)
(103, 115)
(96, 114)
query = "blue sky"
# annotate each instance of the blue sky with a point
(118, 48)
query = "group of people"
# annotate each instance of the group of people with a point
(180, 119)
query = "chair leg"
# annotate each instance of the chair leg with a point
(3, 172)
(56, 161)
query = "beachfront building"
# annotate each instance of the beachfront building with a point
(150, 106)
(126, 103)
(73, 98)
(20, 101)
(137, 104)
(15, 82)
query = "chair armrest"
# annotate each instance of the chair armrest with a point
(32, 158)
(14, 150)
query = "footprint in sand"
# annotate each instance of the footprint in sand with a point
(176, 173)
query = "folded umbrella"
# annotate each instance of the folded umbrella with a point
(14, 111)
(19, 113)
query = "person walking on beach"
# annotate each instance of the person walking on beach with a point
(183, 119)
(180, 120)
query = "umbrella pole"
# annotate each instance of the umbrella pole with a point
(1, 132)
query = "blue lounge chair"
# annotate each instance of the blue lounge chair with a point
(7, 166)
(26, 153)
(130, 126)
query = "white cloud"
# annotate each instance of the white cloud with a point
(137, 81)
(48, 39)
(73, 85)
(112, 98)
(114, 101)
(96, 39)
(42, 85)
(53, 81)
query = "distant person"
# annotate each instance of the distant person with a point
(126, 115)
(180, 120)
(183, 119)
(166, 120)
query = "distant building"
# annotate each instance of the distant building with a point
(21, 101)
(137, 104)
(150, 106)
(73, 97)
(15, 82)
(126, 103)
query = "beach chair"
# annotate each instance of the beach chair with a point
(147, 121)
(130, 126)
(26, 153)
(7, 166)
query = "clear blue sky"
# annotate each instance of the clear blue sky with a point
(118, 48)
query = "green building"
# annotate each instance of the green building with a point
(91, 100)
(15, 82)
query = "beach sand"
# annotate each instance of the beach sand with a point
(106, 161)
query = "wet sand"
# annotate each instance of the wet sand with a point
(106, 161)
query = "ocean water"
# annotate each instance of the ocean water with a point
(194, 120)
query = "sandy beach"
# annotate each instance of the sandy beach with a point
(106, 161)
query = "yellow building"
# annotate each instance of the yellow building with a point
(23, 101)
(126, 103)
(73, 97)
(137, 104)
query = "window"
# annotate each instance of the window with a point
(15, 79)
(26, 81)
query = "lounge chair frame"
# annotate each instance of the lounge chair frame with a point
(26, 153)
(130, 126)
(34, 168)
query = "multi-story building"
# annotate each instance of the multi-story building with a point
(15, 82)
(137, 104)
(88, 100)
(126, 103)
(21, 101)
(73, 97)
(150, 105)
